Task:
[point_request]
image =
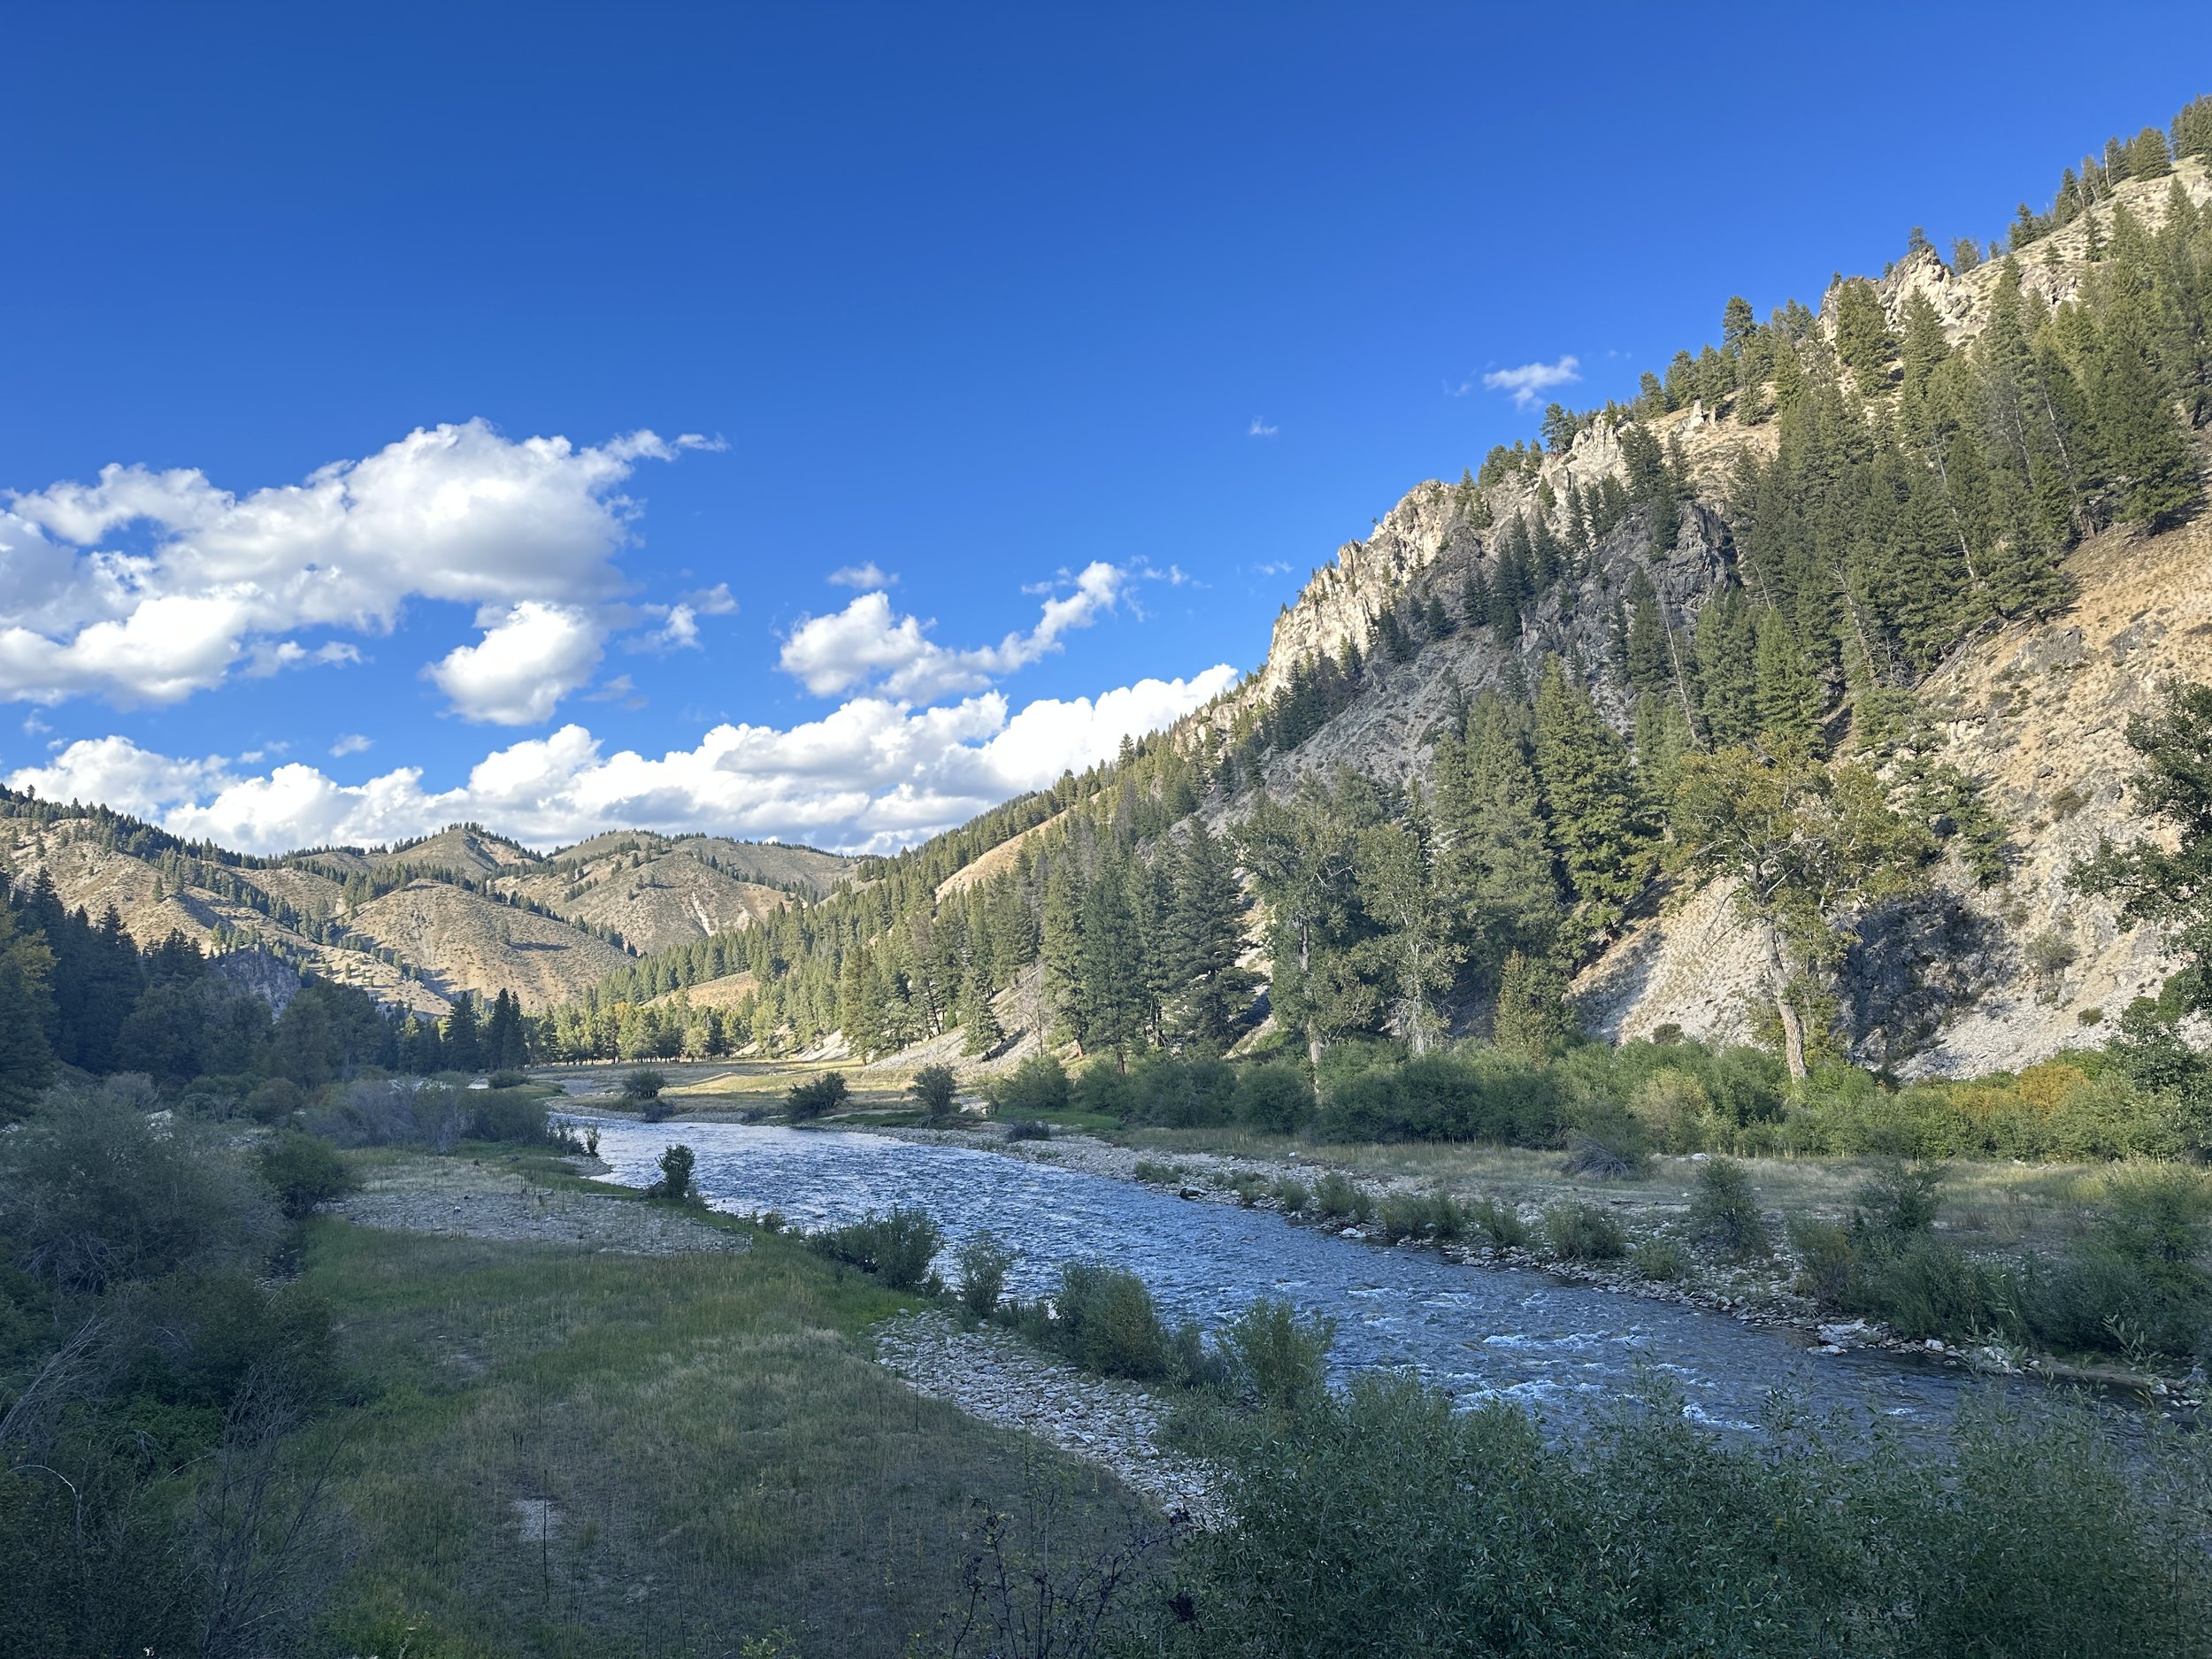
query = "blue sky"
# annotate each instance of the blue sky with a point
(1096, 328)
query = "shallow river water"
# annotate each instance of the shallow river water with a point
(1562, 1349)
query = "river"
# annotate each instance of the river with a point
(1562, 1349)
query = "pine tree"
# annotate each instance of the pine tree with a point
(462, 1047)
(1062, 952)
(1532, 1015)
(1599, 822)
(1111, 964)
(859, 1004)
(980, 1032)
(1496, 873)
(1646, 659)
(26, 1007)
(1207, 935)
(2150, 457)
(1863, 337)
(1787, 697)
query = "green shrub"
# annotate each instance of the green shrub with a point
(1291, 1194)
(1028, 1129)
(1177, 1094)
(92, 1194)
(985, 1261)
(1675, 1111)
(1103, 1319)
(1898, 1201)
(1275, 1097)
(1337, 1199)
(1386, 1521)
(1660, 1260)
(1249, 1186)
(509, 1077)
(303, 1172)
(1272, 1356)
(1500, 1223)
(1583, 1233)
(515, 1116)
(1405, 1215)
(935, 1087)
(1156, 1174)
(1724, 1212)
(643, 1083)
(818, 1096)
(1039, 1084)
(1446, 1221)
(275, 1100)
(1104, 1091)
(1481, 1095)
(897, 1248)
(675, 1185)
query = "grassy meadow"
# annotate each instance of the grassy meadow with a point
(567, 1454)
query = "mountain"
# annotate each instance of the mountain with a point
(1937, 539)
(415, 923)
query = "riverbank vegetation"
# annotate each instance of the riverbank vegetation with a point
(1382, 1519)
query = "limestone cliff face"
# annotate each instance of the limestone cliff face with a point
(2052, 269)
(1432, 535)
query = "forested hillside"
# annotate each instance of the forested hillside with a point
(1727, 646)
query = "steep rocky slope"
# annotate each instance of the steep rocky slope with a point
(2002, 976)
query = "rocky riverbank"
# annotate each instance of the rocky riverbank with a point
(464, 1200)
(991, 1375)
(1760, 1294)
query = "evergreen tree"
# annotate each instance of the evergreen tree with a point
(1496, 872)
(462, 1047)
(980, 1032)
(1062, 953)
(1787, 697)
(2150, 459)
(1646, 658)
(26, 1008)
(1863, 340)
(859, 1005)
(1599, 822)
(1301, 854)
(1532, 1017)
(1207, 935)
(1110, 966)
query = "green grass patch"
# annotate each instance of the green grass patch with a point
(720, 1457)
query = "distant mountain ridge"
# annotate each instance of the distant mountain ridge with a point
(420, 921)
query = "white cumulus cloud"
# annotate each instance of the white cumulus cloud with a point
(1531, 379)
(868, 641)
(531, 656)
(869, 575)
(145, 587)
(872, 775)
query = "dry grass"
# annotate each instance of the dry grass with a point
(721, 1458)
